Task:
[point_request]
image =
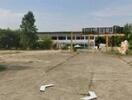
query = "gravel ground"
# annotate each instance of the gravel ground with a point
(73, 75)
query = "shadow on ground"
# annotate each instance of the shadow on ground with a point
(12, 67)
(2, 67)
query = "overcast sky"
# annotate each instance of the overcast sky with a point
(66, 15)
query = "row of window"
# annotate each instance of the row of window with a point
(114, 29)
(69, 38)
(98, 30)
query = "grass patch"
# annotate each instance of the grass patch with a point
(129, 52)
(9, 52)
(115, 52)
(2, 67)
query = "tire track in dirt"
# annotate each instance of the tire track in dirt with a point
(51, 68)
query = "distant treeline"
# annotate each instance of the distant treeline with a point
(9, 39)
(25, 37)
(12, 39)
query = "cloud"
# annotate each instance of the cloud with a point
(53, 21)
(114, 11)
(9, 18)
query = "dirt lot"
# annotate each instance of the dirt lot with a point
(73, 75)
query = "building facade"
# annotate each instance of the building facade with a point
(80, 37)
(64, 38)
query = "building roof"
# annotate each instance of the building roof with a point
(63, 32)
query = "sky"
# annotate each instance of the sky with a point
(66, 15)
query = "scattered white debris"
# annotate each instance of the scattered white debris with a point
(91, 96)
(96, 48)
(77, 46)
(101, 45)
(43, 87)
(124, 47)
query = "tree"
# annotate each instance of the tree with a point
(99, 40)
(28, 35)
(116, 40)
(9, 39)
(128, 33)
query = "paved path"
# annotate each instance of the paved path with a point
(73, 76)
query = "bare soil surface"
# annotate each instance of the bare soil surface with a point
(73, 75)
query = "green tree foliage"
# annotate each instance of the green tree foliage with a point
(99, 40)
(128, 31)
(45, 43)
(28, 35)
(9, 39)
(115, 40)
(128, 34)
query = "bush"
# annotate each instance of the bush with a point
(128, 34)
(116, 40)
(115, 52)
(99, 40)
(65, 47)
(45, 43)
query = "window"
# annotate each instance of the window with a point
(69, 38)
(78, 37)
(54, 38)
(82, 37)
(62, 38)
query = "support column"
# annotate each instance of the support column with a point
(71, 42)
(57, 43)
(84, 42)
(94, 41)
(107, 42)
(66, 37)
(88, 41)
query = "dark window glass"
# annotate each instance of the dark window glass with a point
(82, 37)
(54, 38)
(62, 38)
(78, 37)
(69, 38)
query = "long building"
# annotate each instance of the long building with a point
(64, 38)
(80, 37)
